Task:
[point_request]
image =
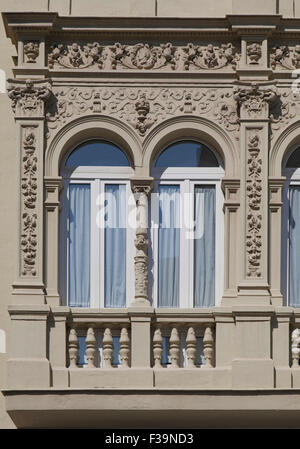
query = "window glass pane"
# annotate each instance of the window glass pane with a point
(115, 245)
(187, 154)
(294, 247)
(97, 153)
(81, 351)
(294, 159)
(116, 352)
(79, 245)
(204, 247)
(168, 246)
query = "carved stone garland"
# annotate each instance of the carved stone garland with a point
(282, 56)
(143, 56)
(254, 217)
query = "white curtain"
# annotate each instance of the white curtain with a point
(115, 245)
(79, 245)
(294, 247)
(204, 247)
(168, 246)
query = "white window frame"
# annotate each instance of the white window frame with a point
(292, 179)
(187, 178)
(97, 178)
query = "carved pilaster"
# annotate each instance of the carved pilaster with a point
(28, 99)
(52, 189)
(275, 207)
(253, 102)
(231, 189)
(141, 191)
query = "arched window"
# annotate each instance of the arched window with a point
(290, 260)
(187, 226)
(96, 243)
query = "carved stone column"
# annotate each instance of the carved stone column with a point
(253, 102)
(141, 191)
(28, 99)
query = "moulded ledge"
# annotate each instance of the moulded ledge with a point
(110, 378)
(193, 378)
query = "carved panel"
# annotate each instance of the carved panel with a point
(29, 216)
(31, 51)
(285, 57)
(143, 107)
(254, 101)
(254, 204)
(254, 53)
(143, 56)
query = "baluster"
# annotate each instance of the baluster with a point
(124, 348)
(108, 348)
(295, 347)
(90, 342)
(208, 347)
(157, 348)
(73, 348)
(174, 348)
(191, 348)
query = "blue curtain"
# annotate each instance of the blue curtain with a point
(204, 247)
(168, 246)
(79, 245)
(115, 245)
(294, 256)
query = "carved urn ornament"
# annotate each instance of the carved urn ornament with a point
(31, 51)
(254, 53)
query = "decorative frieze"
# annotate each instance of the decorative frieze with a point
(254, 204)
(28, 97)
(143, 108)
(143, 56)
(75, 56)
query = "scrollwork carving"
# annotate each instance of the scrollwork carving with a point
(142, 108)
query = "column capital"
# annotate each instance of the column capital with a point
(142, 185)
(253, 100)
(29, 97)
